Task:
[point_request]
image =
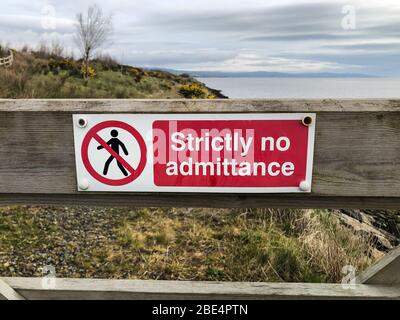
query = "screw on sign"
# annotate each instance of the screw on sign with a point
(113, 146)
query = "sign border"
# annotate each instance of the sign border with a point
(149, 186)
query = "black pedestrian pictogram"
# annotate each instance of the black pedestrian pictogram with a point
(113, 147)
(115, 144)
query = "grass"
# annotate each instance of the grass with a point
(42, 75)
(179, 244)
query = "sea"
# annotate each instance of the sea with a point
(306, 88)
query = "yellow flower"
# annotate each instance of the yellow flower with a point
(193, 91)
(91, 71)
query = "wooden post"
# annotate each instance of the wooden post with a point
(7, 61)
(385, 272)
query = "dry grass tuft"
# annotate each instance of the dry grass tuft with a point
(180, 244)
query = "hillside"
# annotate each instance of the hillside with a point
(38, 74)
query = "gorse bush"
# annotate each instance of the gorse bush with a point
(136, 73)
(193, 91)
(91, 72)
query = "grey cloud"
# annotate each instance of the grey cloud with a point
(152, 33)
(372, 47)
(300, 22)
(297, 37)
(165, 58)
(294, 18)
(33, 23)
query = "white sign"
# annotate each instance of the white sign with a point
(240, 153)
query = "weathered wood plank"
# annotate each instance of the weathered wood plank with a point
(8, 293)
(199, 106)
(356, 164)
(199, 200)
(148, 289)
(384, 272)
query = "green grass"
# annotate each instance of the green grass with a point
(179, 244)
(108, 84)
(34, 77)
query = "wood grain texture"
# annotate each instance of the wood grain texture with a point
(199, 200)
(31, 288)
(8, 293)
(384, 272)
(356, 162)
(199, 106)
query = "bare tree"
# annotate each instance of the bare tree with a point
(57, 48)
(92, 31)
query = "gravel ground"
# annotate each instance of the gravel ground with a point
(179, 244)
(56, 237)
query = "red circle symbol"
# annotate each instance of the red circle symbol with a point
(93, 134)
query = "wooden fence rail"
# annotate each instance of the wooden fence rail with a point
(89, 289)
(7, 61)
(356, 164)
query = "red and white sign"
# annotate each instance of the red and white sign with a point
(238, 153)
(130, 173)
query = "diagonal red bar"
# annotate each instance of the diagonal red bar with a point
(121, 160)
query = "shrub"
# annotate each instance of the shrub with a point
(137, 74)
(12, 84)
(91, 71)
(73, 72)
(107, 62)
(147, 85)
(121, 93)
(66, 64)
(56, 65)
(193, 91)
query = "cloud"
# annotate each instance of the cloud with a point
(275, 35)
(255, 62)
(370, 48)
(178, 58)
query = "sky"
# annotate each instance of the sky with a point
(360, 36)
